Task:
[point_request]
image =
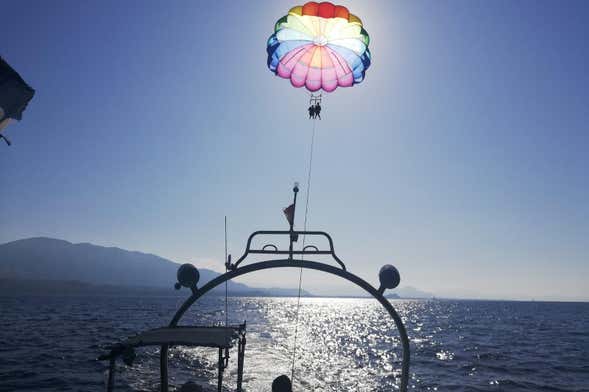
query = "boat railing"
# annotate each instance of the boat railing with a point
(293, 235)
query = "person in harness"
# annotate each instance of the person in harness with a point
(318, 110)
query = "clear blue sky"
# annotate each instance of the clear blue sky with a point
(462, 159)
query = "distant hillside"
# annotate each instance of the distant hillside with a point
(12, 287)
(411, 292)
(48, 259)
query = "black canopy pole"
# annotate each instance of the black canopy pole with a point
(293, 236)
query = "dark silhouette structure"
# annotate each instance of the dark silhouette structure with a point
(15, 94)
(188, 277)
(282, 384)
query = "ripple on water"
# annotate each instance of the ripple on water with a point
(343, 344)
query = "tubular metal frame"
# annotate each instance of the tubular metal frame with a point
(235, 271)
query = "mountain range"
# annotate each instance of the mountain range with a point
(49, 264)
(44, 265)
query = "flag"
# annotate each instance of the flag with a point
(15, 93)
(289, 212)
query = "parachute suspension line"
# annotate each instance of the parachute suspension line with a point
(309, 173)
(226, 290)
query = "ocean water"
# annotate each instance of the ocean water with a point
(51, 344)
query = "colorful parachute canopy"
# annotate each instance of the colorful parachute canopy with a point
(15, 94)
(319, 46)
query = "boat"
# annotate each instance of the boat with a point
(227, 337)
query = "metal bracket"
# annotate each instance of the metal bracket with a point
(307, 250)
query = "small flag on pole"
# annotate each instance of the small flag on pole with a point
(289, 213)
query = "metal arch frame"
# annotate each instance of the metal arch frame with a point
(285, 263)
(293, 236)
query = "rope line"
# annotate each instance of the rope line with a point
(309, 173)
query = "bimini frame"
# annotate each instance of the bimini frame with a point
(388, 276)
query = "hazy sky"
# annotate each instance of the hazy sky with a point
(462, 159)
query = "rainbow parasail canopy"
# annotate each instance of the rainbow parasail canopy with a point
(319, 46)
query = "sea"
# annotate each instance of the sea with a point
(343, 344)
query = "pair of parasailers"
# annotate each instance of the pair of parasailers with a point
(315, 111)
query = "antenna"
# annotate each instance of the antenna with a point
(226, 267)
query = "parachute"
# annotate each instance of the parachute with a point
(319, 46)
